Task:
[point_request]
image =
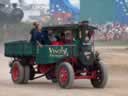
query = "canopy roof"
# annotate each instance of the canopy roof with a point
(70, 27)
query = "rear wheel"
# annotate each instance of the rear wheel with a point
(101, 76)
(65, 75)
(19, 73)
(26, 73)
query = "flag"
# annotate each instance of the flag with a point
(60, 7)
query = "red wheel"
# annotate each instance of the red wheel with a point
(15, 72)
(65, 75)
(20, 73)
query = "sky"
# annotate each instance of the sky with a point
(75, 3)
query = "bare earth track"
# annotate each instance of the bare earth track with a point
(115, 58)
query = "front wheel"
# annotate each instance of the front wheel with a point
(65, 75)
(101, 76)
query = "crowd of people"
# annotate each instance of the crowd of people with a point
(112, 31)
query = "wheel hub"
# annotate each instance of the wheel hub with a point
(15, 72)
(63, 75)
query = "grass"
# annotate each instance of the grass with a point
(112, 43)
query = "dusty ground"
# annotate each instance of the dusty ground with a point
(115, 58)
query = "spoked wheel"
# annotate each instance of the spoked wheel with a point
(65, 75)
(101, 76)
(19, 73)
(15, 72)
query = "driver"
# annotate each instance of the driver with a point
(68, 37)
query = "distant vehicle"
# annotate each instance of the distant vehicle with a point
(10, 14)
(71, 57)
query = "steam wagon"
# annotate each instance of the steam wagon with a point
(62, 61)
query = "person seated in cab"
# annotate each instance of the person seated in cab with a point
(53, 38)
(45, 39)
(68, 37)
(62, 38)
